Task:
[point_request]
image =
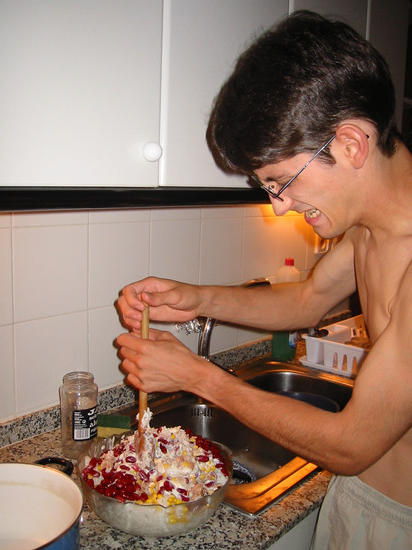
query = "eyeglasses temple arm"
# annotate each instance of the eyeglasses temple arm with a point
(276, 195)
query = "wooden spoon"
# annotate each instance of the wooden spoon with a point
(142, 394)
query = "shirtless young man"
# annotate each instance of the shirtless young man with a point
(312, 84)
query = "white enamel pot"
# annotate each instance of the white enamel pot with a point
(40, 507)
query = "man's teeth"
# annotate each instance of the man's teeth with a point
(312, 213)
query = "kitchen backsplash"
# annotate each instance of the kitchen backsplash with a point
(61, 273)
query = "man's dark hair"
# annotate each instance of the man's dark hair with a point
(292, 88)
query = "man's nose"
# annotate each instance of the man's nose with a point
(280, 208)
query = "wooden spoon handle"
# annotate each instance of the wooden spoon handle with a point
(142, 394)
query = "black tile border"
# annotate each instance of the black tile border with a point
(14, 199)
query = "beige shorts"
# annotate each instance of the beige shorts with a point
(355, 516)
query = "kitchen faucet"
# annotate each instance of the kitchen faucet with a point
(204, 338)
(204, 326)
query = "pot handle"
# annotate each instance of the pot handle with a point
(67, 464)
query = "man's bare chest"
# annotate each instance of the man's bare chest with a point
(379, 270)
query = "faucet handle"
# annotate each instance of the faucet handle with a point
(261, 281)
(190, 327)
(204, 326)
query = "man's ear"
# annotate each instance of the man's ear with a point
(353, 143)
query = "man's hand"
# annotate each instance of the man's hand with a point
(169, 301)
(160, 363)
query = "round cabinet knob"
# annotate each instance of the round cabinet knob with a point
(152, 151)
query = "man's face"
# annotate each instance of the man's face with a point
(318, 192)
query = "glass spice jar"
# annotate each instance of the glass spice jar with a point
(78, 410)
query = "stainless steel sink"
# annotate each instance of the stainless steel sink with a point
(326, 391)
(262, 466)
(257, 454)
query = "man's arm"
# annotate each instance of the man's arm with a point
(378, 414)
(348, 442)
(280, 307)
(289, 305)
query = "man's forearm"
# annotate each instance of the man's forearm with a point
(319, 436)
(278, 307)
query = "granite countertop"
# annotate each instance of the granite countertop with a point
(226, 530)
(23, 440)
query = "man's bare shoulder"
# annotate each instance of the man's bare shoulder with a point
(340, 257)
(334, 274)
(396, 338)
(401, 306)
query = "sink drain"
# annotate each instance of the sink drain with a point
(241, 474)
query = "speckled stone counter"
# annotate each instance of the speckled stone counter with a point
(228, 529)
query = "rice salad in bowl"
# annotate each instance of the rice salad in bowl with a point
(173, 484)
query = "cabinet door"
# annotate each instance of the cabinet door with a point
(80, 91)
(383, 22)
(388, 32)
(352, 12)
(202, 41)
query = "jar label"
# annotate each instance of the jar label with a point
(84, 424)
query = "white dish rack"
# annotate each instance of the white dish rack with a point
(332, 352)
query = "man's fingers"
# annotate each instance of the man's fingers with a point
(166, 298)
(133, 380)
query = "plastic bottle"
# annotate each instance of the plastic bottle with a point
(284, 342)
(287, 273)
(78, 408)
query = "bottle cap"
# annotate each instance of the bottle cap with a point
(289, 261)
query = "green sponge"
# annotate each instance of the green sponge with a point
(114, 423)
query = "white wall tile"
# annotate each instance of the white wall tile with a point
(6, 285)
(223, 337)
(120, 216)
(36, 219)
(119, 255)
(7, 386)
(220, 251)
(258, 210)
(268, 241)
(163, 214)
(50, 270)
(5, 219)
(222, 212)
(245, 336)
(104, 327)
(311, 257)
(174, 250)
(66, 269)
(46, 350)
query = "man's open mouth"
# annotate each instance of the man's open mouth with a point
(314, 213)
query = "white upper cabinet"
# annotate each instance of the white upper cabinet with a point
(79, 91)
(105, 93)
(202, 41)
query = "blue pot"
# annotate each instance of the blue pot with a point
(40, 507)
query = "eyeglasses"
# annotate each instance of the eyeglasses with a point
(275, 195)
